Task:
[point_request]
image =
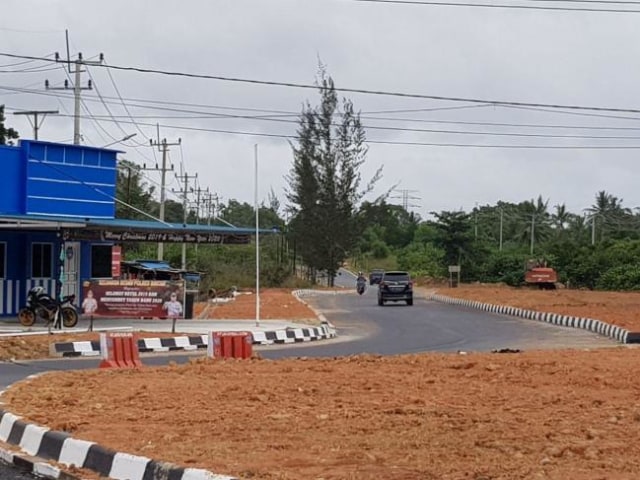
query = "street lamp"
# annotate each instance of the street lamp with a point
(128, 137)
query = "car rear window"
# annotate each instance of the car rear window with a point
(397, 276)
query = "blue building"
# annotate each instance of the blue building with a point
(58, 225)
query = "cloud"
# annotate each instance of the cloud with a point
(541, 56)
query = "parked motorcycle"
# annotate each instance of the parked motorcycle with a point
(42, 305)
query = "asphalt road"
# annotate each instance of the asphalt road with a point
(365, 327)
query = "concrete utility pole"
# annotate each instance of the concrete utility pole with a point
(185, 191)
(77, 88)
(200, 194)
(164, 148)
(36, 126)
(533, 228)
(211, 201)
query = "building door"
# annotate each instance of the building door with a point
(71, 284)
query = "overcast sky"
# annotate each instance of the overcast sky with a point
(493, 54)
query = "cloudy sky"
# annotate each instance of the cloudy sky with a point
(438, 154)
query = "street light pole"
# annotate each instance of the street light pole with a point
(257, 237)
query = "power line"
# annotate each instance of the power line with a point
(348, 90)
(284, 113)
(399, 129)
(124, 105)
(389, 142)
(495, 5)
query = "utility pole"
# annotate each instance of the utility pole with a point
(163, 147)
(501, 223)
(533, 226)
(201, 196)
(77, 88)
(184, 191)
(211, 202)
(36, 126)
(475, 220)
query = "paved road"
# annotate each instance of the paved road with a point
(364, 327)
(11, 473)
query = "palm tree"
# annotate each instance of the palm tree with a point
(608, 212)
(535, 221)
(560, 218)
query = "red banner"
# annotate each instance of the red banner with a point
(133, 298)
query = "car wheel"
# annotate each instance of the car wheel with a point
(410, 302)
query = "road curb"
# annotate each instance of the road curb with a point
(198, 342)
(599, 327)
(42, 443)
(286, 335)
(34, 466)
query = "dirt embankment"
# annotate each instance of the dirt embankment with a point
(533, 415)
(617, 308)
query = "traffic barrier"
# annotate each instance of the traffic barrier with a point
(230, 345)
(119, 350)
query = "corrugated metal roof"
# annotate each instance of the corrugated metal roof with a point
(52, 222)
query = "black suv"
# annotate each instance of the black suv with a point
(395, 286)
(375, 276)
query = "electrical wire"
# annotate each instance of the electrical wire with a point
(98, 118)
(282, 113)
(495, 5)
(97, 90)
(349, 90)
(433, 144)
(124, 105)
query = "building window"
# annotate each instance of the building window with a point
(41, 260)
(3, 260)
(100, 261)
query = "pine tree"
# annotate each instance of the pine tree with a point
(7, 135)
(325, 181)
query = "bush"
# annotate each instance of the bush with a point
(623, 277)
(379, 249)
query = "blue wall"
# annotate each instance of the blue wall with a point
(69, 180)
(50, 179)
(17, 281)
(12, 180)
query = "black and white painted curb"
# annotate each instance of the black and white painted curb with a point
(198, 342)
(596, 326)
(60, 447)
(33, 466)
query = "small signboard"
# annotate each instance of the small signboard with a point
(454, 280)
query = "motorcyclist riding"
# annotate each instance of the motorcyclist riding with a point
(361, 282)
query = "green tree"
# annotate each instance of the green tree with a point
(133, 194)
(7, 135)
(534, 218)
(454, 235)
(325, 181)
(244, 215)
(607, 215)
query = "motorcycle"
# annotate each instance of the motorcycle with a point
(42, 305)
(360, 286)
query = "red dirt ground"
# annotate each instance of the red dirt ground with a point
(552, 414)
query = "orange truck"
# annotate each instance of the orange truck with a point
(540, 275)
